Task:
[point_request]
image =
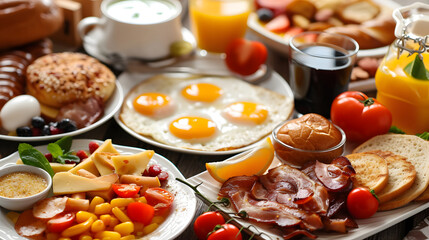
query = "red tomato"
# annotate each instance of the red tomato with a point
(278, 24)
(245, 57)
(226, 232)
(159, 197)
(125, 190)
(362, 203)
(206, 222)
(140, 212)
(60, 222)
(359, 116)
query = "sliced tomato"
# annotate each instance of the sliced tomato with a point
(279, 24)
(125, 190)
(61, 222)
(245, 57)
(140, 212)
(160, 198)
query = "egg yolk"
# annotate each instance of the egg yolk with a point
(246, 112)
(192, 127)
(203, 92)
(151, 104)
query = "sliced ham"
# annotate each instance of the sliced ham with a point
(82, 113)
(30, 227)
(49, 207)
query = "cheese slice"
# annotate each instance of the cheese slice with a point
(103, 162)
(68, 183)
(57, 167)
(132, 164)
(88, 164)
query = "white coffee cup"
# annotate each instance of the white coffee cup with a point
(142, 29)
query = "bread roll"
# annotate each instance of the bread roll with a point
(25, 21)
(61, 78)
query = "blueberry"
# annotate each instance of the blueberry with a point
(46, 130)
(265, 14)
(38, 122)
(24, 131)
(67, 125)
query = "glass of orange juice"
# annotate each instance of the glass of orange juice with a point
(217, 22)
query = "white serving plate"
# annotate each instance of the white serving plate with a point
(184, 205)
(367, 227)
(111, 107)
(281, 45)
(129, 79)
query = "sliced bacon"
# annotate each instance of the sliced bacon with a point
(82, 113)
(299, 232)
(335, 176)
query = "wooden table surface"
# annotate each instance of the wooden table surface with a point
(190, 164)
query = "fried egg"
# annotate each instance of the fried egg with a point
(204, 113)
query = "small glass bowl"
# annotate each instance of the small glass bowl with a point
(20, 204)
(299, 157)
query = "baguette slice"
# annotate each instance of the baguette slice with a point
(416, 150)
(371, 171)
(402, 175)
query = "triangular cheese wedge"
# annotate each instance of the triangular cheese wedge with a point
(68, 183)
(103, 162)
(132, 164)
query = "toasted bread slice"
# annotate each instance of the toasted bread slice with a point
(371, 171)
(416, 150)
(402, 175)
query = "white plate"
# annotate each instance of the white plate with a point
(367, 227)
(281, 45)
(128, 80)
(111, 107)
(184, 205)
(90, 43)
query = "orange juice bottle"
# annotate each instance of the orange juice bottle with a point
(402, 79)
(217, 22)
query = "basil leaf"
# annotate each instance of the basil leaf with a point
(71, 158)
(31, 156)
(23, 146)
(395, 129)
(55, 150)
(417, 69)
(424, 136)
(65, 143)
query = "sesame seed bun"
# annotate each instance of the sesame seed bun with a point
(61, 78)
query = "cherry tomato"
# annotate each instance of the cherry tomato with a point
(60, 222)
(159, 197)
(125, 190)
(140, 212)
(359, 116)
(245, 57)
(206, 222)
(362, 203)
(226, 232)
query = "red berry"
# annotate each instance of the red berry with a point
(55, 130)
(93, 146)
(82, 155)
(163, 176)
(145, 173)
(36, 131)
(48, 156)
(154, 170)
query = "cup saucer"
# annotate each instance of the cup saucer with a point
(90, 44)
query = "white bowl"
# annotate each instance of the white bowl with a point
(20, 204)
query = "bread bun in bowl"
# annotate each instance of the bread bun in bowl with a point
(308, 138)
(58, 79)
(25, 21)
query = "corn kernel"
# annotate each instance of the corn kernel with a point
(158, 219)
(64, 238)
(98, 226)
(150, 228)
(94, 202)
(108, 235)
(142, 200)
(78, 228)
(120, 215)
(125, 228)
(113, 222)
(52, 236)
(106, 219)
(85, 237)
(129, 237)
(102, 208)
(82, 216)
(121, 202)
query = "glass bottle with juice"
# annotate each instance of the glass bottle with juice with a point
(402, 79)
(217, 22)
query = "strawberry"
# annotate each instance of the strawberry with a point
(92, 147)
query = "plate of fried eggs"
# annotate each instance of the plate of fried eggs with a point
(202, 114)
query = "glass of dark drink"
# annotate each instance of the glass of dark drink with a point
(320, 65)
